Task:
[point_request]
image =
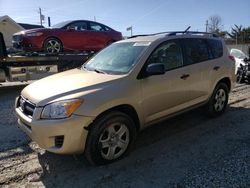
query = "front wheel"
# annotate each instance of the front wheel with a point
(110, 138)
(218, 101)
(52, 45)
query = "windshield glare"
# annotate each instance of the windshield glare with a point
(118, 58)
(238, 54)
(61, 24)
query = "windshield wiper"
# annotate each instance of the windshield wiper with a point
(96, 70)
(99, 71)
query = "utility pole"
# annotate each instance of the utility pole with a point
(131, 30)
(236, 41)
(206, 25)
(49, 22)
(41, 16)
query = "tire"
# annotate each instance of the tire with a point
(218, 101)
(53, 45)
(110, 138)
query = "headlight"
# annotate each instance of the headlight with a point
(60, 109)
(34, 34)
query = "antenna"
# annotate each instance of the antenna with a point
(187, 29)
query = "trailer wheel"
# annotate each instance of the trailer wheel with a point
(53, 45)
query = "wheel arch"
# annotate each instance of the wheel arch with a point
(226, 81)
(124, 108)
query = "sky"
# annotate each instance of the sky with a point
(145, 16)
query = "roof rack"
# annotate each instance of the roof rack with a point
(145, 35)
(191, 32)
(172, 33)
(134, 36)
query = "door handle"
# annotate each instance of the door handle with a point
(216, 68)
(184, 76)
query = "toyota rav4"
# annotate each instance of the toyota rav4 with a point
(98, 109)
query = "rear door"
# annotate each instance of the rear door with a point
(98, 36)
(197, 60)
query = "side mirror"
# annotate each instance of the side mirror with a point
(245, 60)
(155, 69)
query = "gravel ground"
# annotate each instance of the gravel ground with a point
(190, 150)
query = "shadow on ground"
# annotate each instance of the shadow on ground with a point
(168, 154)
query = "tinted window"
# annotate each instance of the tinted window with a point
(195, 51)
(215, 47)
(96, 27)
(107, 28)
(78, 26)
(169, 54)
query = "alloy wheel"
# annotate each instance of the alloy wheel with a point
(220, 100)
(114, 141)
(53, 46)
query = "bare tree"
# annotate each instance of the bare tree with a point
(215, 24)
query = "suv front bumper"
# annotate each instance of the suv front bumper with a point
(62, 136)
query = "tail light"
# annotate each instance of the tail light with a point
(232, 58)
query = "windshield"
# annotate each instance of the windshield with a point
(238, 54)
(118, 58)
(61, 24)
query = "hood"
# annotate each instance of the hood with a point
(36, 30)
(66, 85)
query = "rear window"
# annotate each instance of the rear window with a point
(196, 51)
(215, 47)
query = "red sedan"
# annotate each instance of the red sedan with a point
(80, 35)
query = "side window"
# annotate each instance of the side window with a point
(78, 26)
(195, 51)
(96, 27)
(107, 28)
(215, 47)
(168, 53)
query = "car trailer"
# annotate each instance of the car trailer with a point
(35, 66)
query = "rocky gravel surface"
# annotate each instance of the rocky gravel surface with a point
(190, 150)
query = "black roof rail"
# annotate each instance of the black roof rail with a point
(134, 36)
(191, 32)
(172, 33)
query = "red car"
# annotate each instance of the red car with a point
(79, 35)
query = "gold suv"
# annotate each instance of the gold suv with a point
(99, 108)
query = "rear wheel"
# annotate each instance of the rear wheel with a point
(218, 101)
(110, 138)
(52, 45)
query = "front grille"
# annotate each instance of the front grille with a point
(59, 141)
(17, 38)
(26, 106)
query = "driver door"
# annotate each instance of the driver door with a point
(165, 94)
